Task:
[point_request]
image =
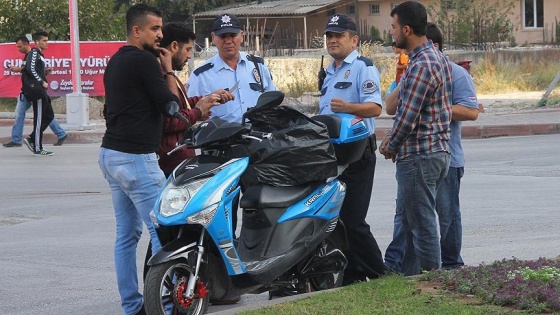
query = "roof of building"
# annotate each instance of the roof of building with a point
(274, 8)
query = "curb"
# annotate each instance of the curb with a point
(483, 132)
(268, 303)
(468, 131)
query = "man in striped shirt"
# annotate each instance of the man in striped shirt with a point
(419, 140)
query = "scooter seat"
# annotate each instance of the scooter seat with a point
(265, 196)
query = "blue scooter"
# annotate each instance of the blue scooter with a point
(291, 237)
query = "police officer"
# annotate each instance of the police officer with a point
(352, 86)
(227, 68)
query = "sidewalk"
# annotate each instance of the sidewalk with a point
(518, 123)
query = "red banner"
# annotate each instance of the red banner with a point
(94, 57)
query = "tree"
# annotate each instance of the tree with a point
(97, 19)
(477, 22)
(176, 10)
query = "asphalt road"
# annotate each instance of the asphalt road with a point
(57, 225)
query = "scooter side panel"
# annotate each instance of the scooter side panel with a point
(324, 203)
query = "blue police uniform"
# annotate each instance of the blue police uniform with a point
(357, 81)
(216, 74)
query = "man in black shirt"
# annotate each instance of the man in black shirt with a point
(136, 96)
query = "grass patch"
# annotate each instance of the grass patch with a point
(503, 287)
(388, 295)
(490, 78)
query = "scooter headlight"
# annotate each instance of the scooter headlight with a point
(175, 199)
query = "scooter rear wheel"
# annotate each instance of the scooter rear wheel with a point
(165, 286)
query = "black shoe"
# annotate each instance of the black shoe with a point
(61, 140)
(11, 144)
(30, 144)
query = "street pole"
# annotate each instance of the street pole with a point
(77, 103)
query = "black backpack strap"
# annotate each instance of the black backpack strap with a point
(256, 59)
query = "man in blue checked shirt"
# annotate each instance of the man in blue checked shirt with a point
(419, 140)
(227, 68)
(352, 86)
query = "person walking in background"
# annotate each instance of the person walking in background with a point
(43, 113)
(464, 107)
(419, 140)
(352, 86)
(22, 44)
(137, 96)
(227, 68)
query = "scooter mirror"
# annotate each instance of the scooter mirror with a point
(266, 100)
(172, 109)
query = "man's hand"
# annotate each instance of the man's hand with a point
(216, 98)
(14, 69)
(165, 57)
(339, 105)
(45, 85)
(225, 95)
(384, 149)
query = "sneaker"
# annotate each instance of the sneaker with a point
(43, 153)
(61, 140)
(11, 144)
(30, 144)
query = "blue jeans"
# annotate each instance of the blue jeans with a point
(135, 181)
(449, 215)
(17, 130)
(419, 178)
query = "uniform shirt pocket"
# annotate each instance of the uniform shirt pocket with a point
(342, 85)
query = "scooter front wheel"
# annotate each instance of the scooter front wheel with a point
(165, 290)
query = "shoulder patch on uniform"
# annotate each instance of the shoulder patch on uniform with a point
(367, 61)
(369, 87)
(203, 68)
(257, 59)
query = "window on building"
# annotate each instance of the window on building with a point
(533, 13)
(374, 9)
(351, 10)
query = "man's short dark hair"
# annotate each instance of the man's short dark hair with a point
(40, 34)
(434, 34)
(23, 39)
(136, 14)
(176, 32)
(413, 14)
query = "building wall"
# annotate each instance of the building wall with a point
(541, 35)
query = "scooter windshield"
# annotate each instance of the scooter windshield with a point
(217, 131)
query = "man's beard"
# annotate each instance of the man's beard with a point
(151, 49)
(177, 64)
